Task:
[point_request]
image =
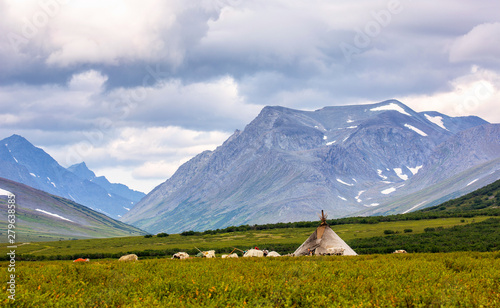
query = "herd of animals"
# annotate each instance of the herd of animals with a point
(211, 254)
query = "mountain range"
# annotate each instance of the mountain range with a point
(41, 216)
(287, 165)
(22, 162)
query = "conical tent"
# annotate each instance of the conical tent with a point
(324, 241)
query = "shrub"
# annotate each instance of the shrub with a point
(162, 234)
(389, 232)
(429, 229)
(148, 236)
(408, 230)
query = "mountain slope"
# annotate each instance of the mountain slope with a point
(487, 197)
(288, 164)
(84, 173)
(22, 162)
(42, 216)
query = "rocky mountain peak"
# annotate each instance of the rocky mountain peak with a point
(287, 164)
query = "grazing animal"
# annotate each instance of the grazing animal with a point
(180, 255)
(400, 251)
(81, 260)
(273, 254)
(131, 257)
(254, 253)
(224, 256)
(209, 254)
(233, 255)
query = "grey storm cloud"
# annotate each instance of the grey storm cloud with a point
(203, 40)
(211, 65)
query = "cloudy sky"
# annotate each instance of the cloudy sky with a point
(136, 88)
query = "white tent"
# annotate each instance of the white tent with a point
(324, 241)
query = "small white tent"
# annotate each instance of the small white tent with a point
(323, 241)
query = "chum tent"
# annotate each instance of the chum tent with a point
(324, 241)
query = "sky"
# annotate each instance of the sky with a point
(136, 88)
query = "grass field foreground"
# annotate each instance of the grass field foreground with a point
(466, 279)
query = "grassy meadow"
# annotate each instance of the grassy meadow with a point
(282, 240)
(456, 279)
(463, 279)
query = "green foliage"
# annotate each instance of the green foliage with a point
(408, 230)
(483, 199)
(409, 280)
(162, 234)
(148, 236)
(389, 232)
(481, 236)
(187, 233)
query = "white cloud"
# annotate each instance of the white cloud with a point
(214, 104)
(476, 93)
(89, 81)
(148, 156)
(111, 31)
(480, 45)
(76, 82)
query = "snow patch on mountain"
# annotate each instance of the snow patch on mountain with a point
(4, 192)
(342, 182)
(388, 191)
(400, 174)
(55, 215)
(418, 131)
(391, 106)
(359, 195)
(415, 170)
(472, 182)
(379, 172)
(414, 207)
(436, 120)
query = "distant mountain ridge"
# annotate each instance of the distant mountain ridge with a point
(22, 162)
(350, 160)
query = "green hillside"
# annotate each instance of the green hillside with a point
(483, 199)
(36, 220)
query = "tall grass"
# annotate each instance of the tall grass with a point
(410, 280)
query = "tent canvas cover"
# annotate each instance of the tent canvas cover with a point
(322, 239)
